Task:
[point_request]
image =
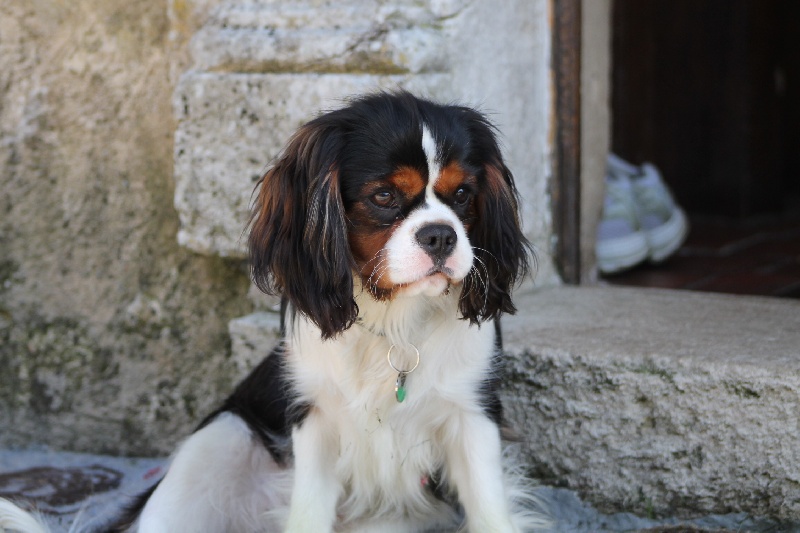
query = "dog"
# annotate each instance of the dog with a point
(390, 228)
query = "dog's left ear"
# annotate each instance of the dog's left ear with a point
(298, 238)
(502, 252)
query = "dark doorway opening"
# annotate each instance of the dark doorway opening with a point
(709, 92)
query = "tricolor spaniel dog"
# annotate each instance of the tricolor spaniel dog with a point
(390, 228)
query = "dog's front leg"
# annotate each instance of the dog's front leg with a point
(315, 491)
(475, 466)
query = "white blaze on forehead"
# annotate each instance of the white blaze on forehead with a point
(407, 263)
(434, 167)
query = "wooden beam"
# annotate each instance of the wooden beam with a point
(565, 191)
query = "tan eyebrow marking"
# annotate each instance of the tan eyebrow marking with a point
(408, 181)
(450, 178)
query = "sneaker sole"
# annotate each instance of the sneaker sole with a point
(615, 255)
(665, 239)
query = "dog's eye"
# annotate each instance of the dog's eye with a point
(462, 196)
(383, 199)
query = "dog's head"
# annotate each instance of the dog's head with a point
(407, 195)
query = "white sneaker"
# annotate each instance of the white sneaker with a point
(664, 223)
(621, 244)
(640, 218)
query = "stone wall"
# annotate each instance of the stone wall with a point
(262, 68)
(112, 337)
(130, 138)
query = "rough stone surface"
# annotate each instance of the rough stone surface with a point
(354, 36)
(112, 337)
(252, 337)
(660, 401)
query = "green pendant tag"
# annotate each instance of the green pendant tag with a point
(400, 384)
(400, 387)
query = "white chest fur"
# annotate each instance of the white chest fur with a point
(385, 451)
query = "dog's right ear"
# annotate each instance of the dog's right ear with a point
(298, 236)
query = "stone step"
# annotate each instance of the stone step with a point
(659, 401)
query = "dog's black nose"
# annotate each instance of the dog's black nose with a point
(438, 240)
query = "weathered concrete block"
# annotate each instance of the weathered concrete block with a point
(252, 338)
(356, 36)
(660, 401)
(230, 126)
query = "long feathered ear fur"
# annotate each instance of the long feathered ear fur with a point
(298, 240)
(502, 252)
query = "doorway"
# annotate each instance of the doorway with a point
(709, 92)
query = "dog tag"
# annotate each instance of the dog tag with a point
(400, 387)
(400, 384)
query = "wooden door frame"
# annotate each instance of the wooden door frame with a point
(565, 185)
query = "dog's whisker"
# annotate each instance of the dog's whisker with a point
(381, 266)
(487, 253)
(485, 279)
(477, 281)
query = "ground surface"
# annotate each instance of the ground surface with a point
(90, 488)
